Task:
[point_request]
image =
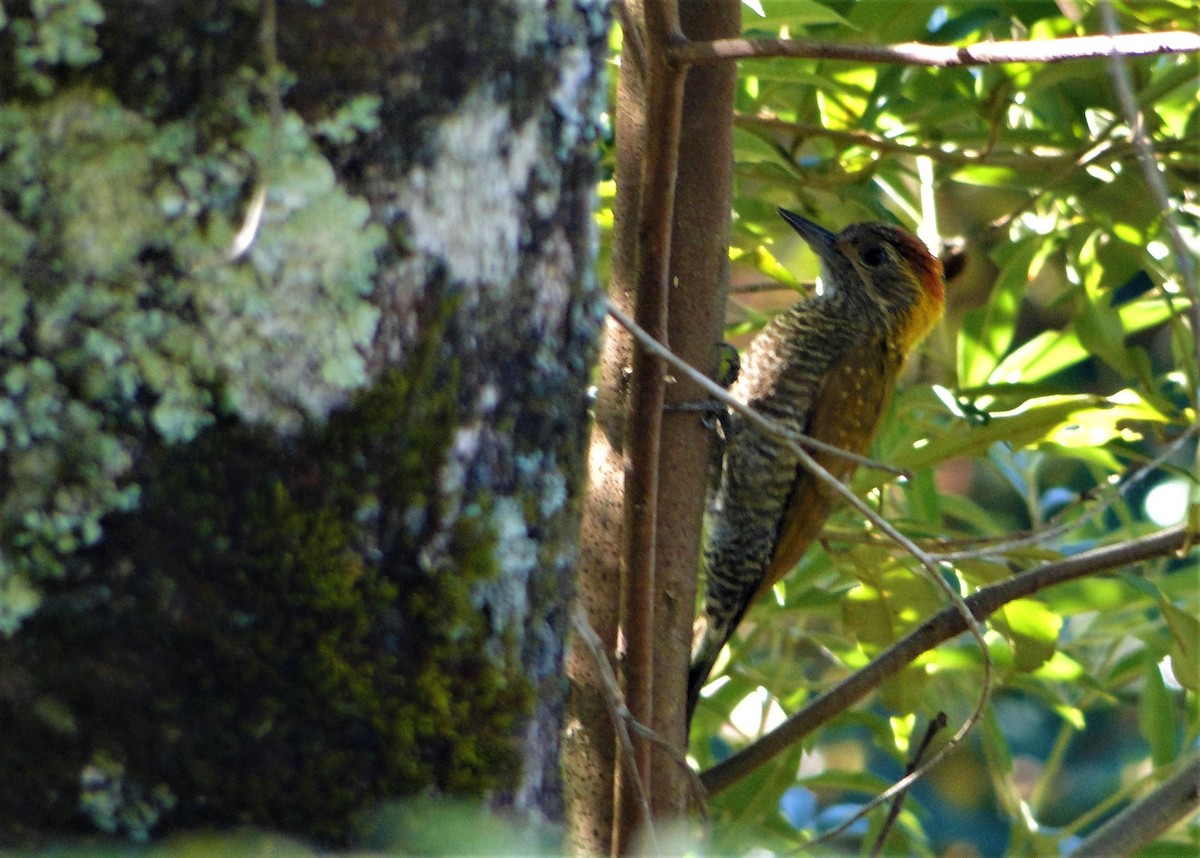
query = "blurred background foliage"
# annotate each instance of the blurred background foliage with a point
(1056, 401)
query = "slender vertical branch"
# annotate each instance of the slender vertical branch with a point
(696, 314)
(1185, 261)
(659, 22)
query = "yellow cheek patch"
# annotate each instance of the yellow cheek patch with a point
(925, 314)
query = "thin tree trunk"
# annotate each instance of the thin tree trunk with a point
(699, 280)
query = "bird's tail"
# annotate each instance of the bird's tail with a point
(711, 637)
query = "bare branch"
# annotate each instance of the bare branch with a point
(621, 716)
(663, 105)
(1137, 825)
(940, 627)
(871, 140)
(942, 56)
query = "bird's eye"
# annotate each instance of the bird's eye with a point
(874, 256)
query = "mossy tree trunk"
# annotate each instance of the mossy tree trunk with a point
(296, 327)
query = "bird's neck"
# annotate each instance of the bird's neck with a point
(920, 318)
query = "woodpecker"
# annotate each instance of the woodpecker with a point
(825, 368)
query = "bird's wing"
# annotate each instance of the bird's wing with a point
(845, 412)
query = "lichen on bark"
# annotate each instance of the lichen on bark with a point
(126, 313)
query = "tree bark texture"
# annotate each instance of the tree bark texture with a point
(590, 754)
(698, 271)
(696, 319)
(310, 292)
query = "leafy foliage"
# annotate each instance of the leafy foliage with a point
(1056, 401)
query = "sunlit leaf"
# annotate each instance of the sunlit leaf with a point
(1185, 644)
(798, 13)
(1045, 354)
(1033, 629)
(1060, 667)
(1073, 715)
(986, 335)
(1125, 410)
(762, 260)
(1021, 426)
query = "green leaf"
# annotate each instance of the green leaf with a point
(1185, 644)
(864, 782)
(798, 13)
(1101, 333)
(1020, 427)
(1147, 312)
(749, 148)
(1042, 357)
(992, 177)
(887, 604)
(924, 500)
(1098, 323)
(995, 746)
(1092, 428)
(1033, 629)
(986, 334)
(1155, 717)
(765, 262)
(1050, 352)
(1060, 667)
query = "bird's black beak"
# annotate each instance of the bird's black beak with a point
(835, 268)
(821, 240)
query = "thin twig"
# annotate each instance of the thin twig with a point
(1184, 256)
(1103, 500)
(623, 719)
(868, 139)
(942, 56)
(621, 716)
(935, 726)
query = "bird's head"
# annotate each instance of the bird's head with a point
(890, 267)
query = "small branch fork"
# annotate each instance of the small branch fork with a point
(624, 723)
(620, 714)
(935, 726)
